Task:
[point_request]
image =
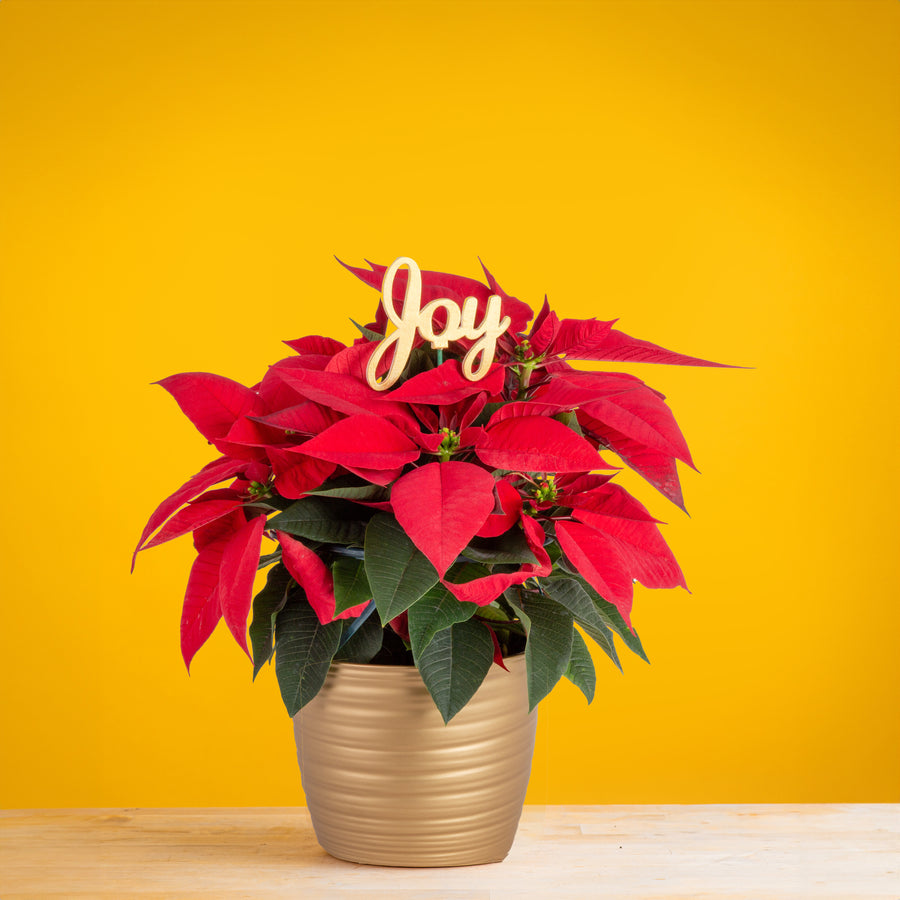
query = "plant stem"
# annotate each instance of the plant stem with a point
(524, 372)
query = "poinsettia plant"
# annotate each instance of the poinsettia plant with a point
(445, 523)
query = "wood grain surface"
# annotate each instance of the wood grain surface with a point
(845, 851)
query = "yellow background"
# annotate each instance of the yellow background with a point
(722, 176)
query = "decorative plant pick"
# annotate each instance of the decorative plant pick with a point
(414, 317)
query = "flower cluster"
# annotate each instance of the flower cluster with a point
(445, 522)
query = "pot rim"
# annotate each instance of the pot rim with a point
(516, 659)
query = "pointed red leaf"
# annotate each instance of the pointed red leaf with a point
(519, 408)
(275, 393)
(308, 570)
(236, 574)
(211, 402)
(544, 331)
(520, 313)
(446, 384)
(426, 416)
(383, 505)
(641, 547)
(624, 348)
(220, 529)
(334, 390)
(572, 389)
(235, 491)
(596, 558)
(640, 415)
(354, 361)
(498, 653)
(316, 345)
(579, 338)
(656, 467)
(212, 473)
(312, 361)
(365, 441)
(353, 611)
(441, 506)
(536, 538)
(341, 393)
(247, 435)
(536, 444)
(381, 477)
(469, 437)
(201, 611)
(257, 471)
(608, 500)
(427, 440)
(400, 625)
(249, 441)
(510, 504)
(482, 591)
(296, 473)
(463, 414)
(192, 517)
(553, 366)
(570, 485)
(304, 419)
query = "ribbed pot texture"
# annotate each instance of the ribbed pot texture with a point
(388, 783)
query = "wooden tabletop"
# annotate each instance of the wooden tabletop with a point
(846, 851)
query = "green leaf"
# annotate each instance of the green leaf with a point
(504, 605)
(561, 564)
(304, 649)
(603, 637)
(500, 618)
(509, 547)
(367, 492)
(266, 606)
(321, 519)
(454, 664)
(570, 420)
(580, 670)
(399, 573)
(489, 409)
(436, 610)
(570, 594)
(268, 559)
(554, 551)
(493, 613)
(550, 629)
(367, 333)
(271, 501)
(365, 643)
(462, 572)
(613, 619)
(351, 587)
(420, 360)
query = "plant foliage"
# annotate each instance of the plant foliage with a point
(444, 523)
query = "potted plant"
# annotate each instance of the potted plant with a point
(436, 508)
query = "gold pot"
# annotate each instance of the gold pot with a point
(388, 783)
